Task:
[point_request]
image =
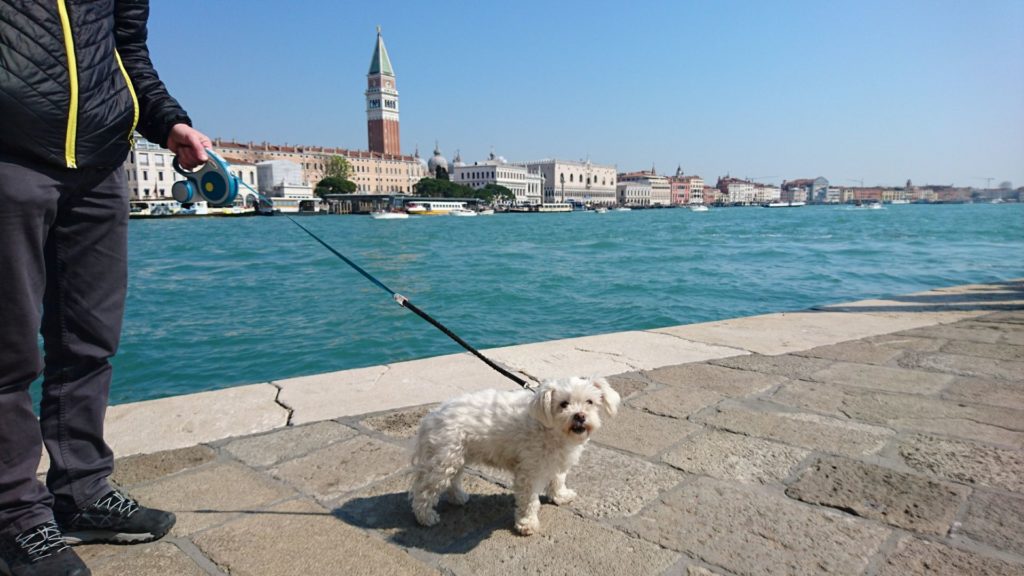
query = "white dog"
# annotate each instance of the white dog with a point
(536, 436)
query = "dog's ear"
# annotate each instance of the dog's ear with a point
(540, 406)
(609, 397)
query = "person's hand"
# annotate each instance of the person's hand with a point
(189, 145)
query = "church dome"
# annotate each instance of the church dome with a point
(437, 161)
(457, 162)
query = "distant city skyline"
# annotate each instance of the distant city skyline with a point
(872, 92)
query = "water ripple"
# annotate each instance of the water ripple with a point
(222, 302)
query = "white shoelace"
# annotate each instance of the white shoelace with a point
(42, 542)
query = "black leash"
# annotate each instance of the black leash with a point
(405, 303)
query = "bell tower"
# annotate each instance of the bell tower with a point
(382, 102)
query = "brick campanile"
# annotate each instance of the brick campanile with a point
(382, 102)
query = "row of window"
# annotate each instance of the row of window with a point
(143, 159)
(561, 178)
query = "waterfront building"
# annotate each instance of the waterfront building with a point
(149, 171)
(766, 193)
(583, 181)
(868, 194)
(382, 102)
(677, 191)
(736, 191)
(686, 189)
(271, 174)
(660, 188)
(693, 186)
(633, 193)
(372, 173)
(527, 186)
(805, 190)
(833, 195)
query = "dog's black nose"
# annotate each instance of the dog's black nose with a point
(579, 417)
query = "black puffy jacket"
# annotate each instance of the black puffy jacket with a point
(76, 81)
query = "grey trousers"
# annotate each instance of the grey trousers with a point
(63, 273)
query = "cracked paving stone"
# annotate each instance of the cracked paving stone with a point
(643, 433)
(871, 491)
(145, 467)
(967, 462)
(858, 352)
(330, 472)
(751, 532)
(911, 412)
(883, 378)
(788, 365)
(400, 423)
(914, 557)
(996, 520)
(728, 382)
(287, 443)
(811, 431)
(730, 456)
(956, 364)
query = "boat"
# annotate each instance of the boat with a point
(900, 201)
(555, 207)
(433, 207)
(784, 204)
(386, 215)
(461, 212)
(486, 212)
(622, 209)
(600, 210)
(697, 208)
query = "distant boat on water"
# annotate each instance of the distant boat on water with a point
(784, 204)
(385, 215)
(697, 208)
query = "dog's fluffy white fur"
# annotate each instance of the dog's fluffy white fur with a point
(535, 436)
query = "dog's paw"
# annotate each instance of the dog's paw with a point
(428, 517)
(528, 526)
(458, 497)
(563, 497)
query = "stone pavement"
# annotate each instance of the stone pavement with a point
(880, 438)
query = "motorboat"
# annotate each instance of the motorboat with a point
(697, 208)
(385, 215)
(600, 210)
(622, 209)
(462, 212)
(784, 204)
(486, 212)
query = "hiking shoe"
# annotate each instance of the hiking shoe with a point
(115, 519)
(41, 551)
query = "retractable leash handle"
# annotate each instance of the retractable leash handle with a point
(212, 182)
(405, 303)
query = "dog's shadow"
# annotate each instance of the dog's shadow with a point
(461, 529)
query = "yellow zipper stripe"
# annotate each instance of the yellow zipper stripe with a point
(69, 45)
(135, 99)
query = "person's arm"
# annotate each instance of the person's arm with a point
(161, 118)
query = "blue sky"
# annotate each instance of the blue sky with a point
(879, 91)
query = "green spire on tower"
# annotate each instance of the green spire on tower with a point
(380, 64)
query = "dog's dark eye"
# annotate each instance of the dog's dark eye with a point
(590, 401)
(564, 404)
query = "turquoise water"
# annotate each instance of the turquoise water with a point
(215, 302)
